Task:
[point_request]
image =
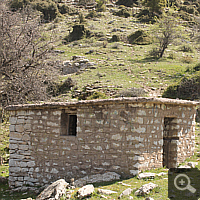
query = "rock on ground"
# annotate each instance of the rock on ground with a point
(192, 164)
(146, 175)
(103, 191)
(109, 176)
(126, 192)
(85, 191)
(145, 189)
(54, 191)
(162, 174)
(149, 198)
(184, 166)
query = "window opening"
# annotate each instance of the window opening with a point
(68, 124)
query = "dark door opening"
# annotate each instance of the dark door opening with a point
(170, 138)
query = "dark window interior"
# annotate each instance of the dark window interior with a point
(68, 124)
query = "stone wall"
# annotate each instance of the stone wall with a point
(119, 136)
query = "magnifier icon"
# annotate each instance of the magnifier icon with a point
(187, 187)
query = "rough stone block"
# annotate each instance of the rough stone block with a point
(19, 128)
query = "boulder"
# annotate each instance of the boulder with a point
(184, 166)
(54, 191)
(146, 175)
(109, 176)
(103, 191)
(85, 191)
(126, 192)
(192, 164)
(145, 189)
(161, 174)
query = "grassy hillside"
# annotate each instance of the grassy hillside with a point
(120, 68)
(119, 65)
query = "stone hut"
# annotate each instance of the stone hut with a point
(74, 139)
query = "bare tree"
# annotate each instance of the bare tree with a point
(165, 33)
(23, 48)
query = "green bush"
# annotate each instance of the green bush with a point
(81, 17)
(184, 16)
(97, 95)
(18, 4)
(115, 38)
(148, 17)
(48, 8)
(189, 9)
(56, 89)
(139, 37)
(78, 33)
(172, 55)
(155, 53)
(128, 3)
(186, 48)
(133, 92)
(101, 6)
(122, 13)
(187, 88)
(91, 14)
(187, 59)
(63, 9)
(197, 67)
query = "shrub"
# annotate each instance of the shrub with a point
(48, 8)
(18, 4)
(155, 53)
(115, 38)
(146, 16)
(186, 48)
(122, 13)
(139, 37)
(184, 16)
(128, 3)
(78, 33)
(133, 92)
(63, 9)
(187, 59)
(197, 67)
(172, 55)
(97, 95)
(187, 88)
(101, 7)
(81, 17)
(189, 9)
(91, 14)
(56, 89)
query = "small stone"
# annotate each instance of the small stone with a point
(149, 198)
(145, 189)
(126, 192)
(192, 164)
(54, 191)
(146, 175)
(104, 197)
(184, 166)
(161, 174)
(85, 191)
(103, 191)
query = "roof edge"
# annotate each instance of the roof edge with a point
(103, 102)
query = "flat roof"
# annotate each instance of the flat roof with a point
(121, 100)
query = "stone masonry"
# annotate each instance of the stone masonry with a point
(123, 135)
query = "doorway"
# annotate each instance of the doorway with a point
(170, 137)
